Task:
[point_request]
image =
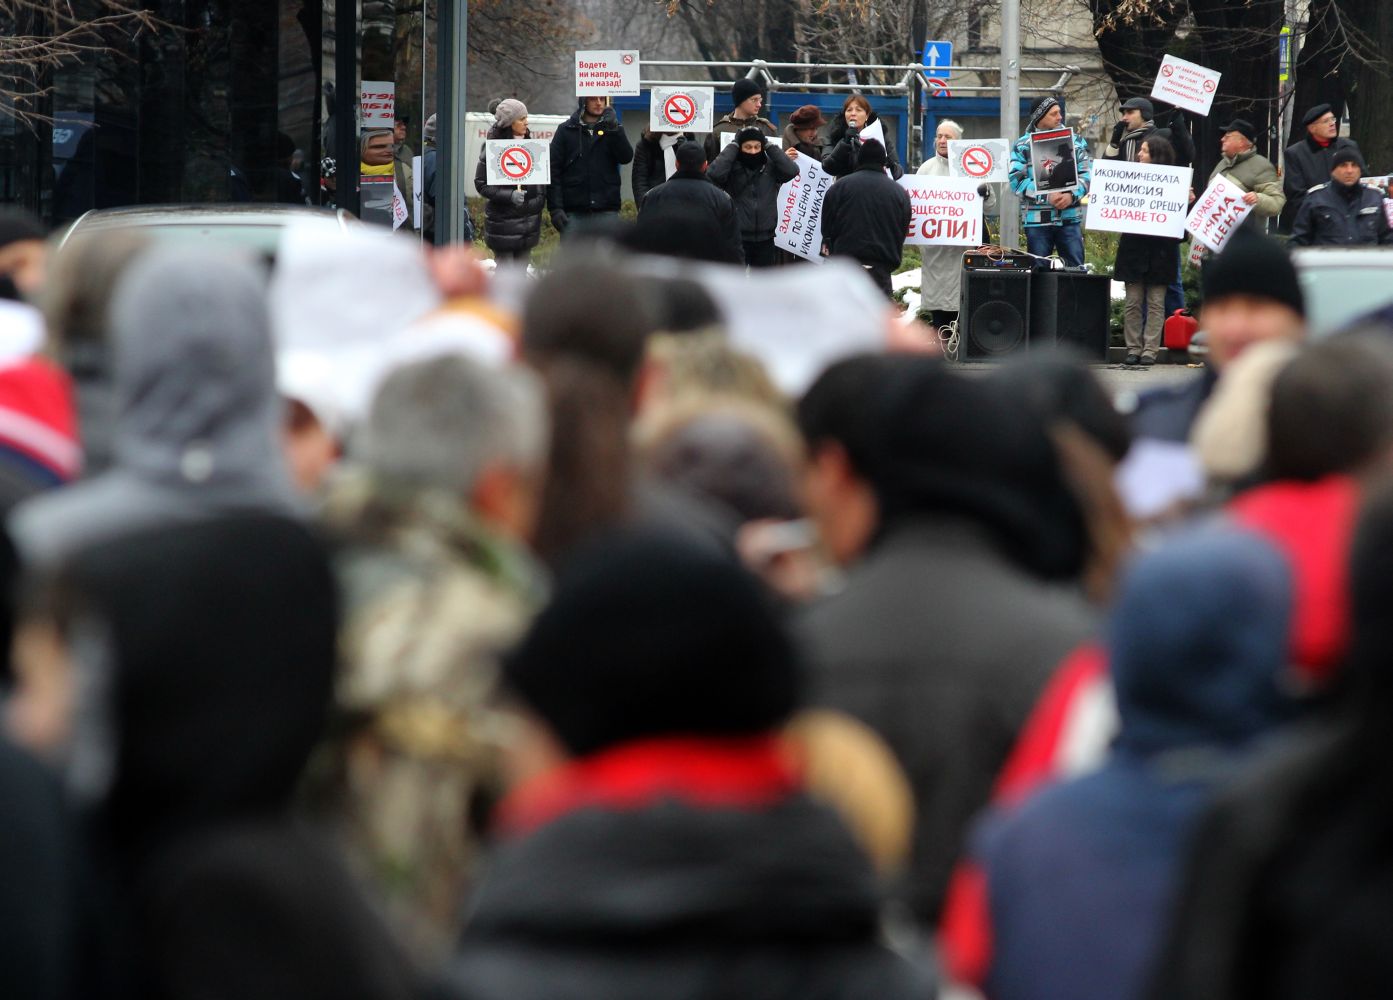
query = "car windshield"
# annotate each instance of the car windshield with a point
(1339, 292)
(261, 238)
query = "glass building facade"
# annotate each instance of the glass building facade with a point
(228, 100)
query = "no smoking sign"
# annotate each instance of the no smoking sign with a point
(517, 161)
(977, 161)
(681, 109)
(983, 160)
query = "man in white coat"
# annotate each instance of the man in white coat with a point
(940, 278)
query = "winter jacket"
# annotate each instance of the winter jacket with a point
(754, 192)
(1129, 146)
(1335, 216)
(648, 891)
(1169, 414)
(918, 647)
(1081, 877)
(940, 277)
(585, 162)
(1255, 173)
(1146, 260)
(1307, 165)
(865, 216)
(839, 156)
(509, 227)
(729, 125)
(1036, 209)
(813, 149)
(650, 165)
(689, 193)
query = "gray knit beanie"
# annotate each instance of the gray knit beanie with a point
(509, 111)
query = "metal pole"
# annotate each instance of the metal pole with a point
(346, 105)
(1010, 109)
(451, 202)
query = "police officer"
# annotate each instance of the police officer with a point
(1342, 212)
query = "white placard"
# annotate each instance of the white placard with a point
(875, 131)
(1186, 85)
(769, 140)
(799, 230)
(377, 103)
(1149, 199)
(606, 73)
(417, 220)
(681, 109)
(1218, 213)
(947, 211)
(517, 161)
(400, 213)
(986, 161)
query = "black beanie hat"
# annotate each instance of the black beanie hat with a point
(1243, 127)
(1347, 154)
(871, 154)
(1254, 265)
(743, 89)
(650, 635)
(750, 133)
(1038, 112)
(1318, 111)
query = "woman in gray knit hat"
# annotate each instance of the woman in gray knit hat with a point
(512, 212)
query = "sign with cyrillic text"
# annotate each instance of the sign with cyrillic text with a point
(1148, 199)
(681, 109)
(799, 229)
(606, 73)
(517, 161)
(377, 103)
(1186, 85)
(945, 211)
(1218, 213)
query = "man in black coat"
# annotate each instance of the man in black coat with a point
(866, 216)
(1129, 133)
(1342, 212)
(689, 193)
(751, 172)
(1308, 162)
(586, 154)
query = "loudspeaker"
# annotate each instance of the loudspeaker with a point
(1071, 308)
(994, 317)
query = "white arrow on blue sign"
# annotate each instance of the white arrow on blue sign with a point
(938, 56)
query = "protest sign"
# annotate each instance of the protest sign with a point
(417, 178)
(377, 103)
(1149, 199)
(681, 109)
(517, 161)
(946, 211)
(987, 161)
(1052, 162)
(1218, 213)
(1186, 85)
(400, 213)
(606, 73)
(799, 230)
(875, 131)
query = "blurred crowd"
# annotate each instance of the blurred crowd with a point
(377, 624)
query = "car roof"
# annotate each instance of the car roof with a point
(247, 223)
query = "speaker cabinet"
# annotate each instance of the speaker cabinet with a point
(1071, 309)
(994, 318)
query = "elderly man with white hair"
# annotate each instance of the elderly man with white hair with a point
(940, 278)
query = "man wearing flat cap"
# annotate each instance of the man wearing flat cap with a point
(1342, 212)
(1129, 133)
(1244, 166)
(1309, 162)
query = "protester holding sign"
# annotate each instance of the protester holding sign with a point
(751, 172)
(1244, 166)
(845, 136)
(512, 212)
(748, 100)
(586, 154)
(1051, 220)
(1146, 265)
(866, 216)
(940, 277)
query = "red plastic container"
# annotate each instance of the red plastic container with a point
(1179, 327)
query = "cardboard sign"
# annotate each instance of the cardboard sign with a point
(769, 140)
(799, 230)
(1218, 213)
(681, 109)
(1186, 85)
(377, 103)
(986, 161)
(1052, 162)
(607, 73)
(1148, 199)
(517, 161)
(947, 211)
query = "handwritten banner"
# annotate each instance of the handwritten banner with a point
(799, 230)
(946, 211)
(1218, 213)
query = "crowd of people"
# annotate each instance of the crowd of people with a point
(612, 634)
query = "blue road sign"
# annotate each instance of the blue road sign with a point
(938, 56)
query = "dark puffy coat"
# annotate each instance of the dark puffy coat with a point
(509, 227)
(1148, 260)
(754, 192)
(689, 194)
(1332, 217)
(840, 158)
(650, 167)
(671, 901)
(585, 162)
(865, 216)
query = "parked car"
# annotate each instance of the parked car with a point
(1343, 283)
(254, 225)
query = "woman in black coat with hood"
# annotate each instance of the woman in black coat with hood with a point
(844, 138)
(512, 212)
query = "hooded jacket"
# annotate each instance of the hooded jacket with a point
(196, 412)
(839, 157)
(585, 162)
(865, 216)
(509, 227)
(754, 192)
(1081, 877)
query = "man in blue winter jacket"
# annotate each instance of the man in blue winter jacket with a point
(1052, 221)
